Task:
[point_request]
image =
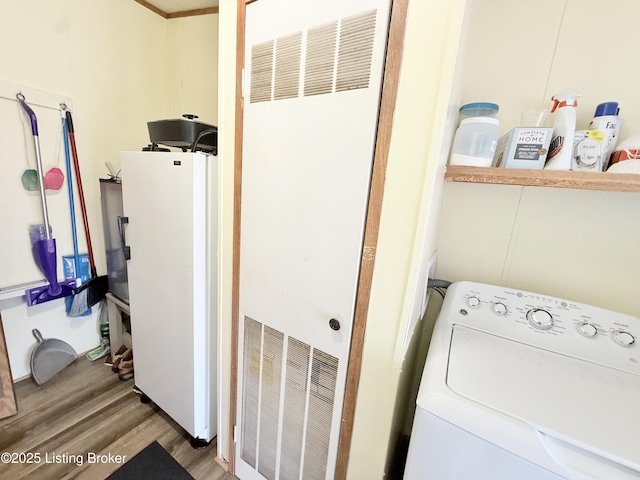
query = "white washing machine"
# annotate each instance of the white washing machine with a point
(523, 386)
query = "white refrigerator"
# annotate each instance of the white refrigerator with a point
(170, 200)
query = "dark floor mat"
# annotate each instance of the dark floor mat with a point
(152, 463)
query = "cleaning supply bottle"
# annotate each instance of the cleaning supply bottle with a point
(476, 138)
(561, 148)
(606, 120)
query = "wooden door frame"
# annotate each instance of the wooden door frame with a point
(393, 61)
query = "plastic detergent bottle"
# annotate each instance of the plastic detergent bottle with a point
(564, 128)
(606, 120)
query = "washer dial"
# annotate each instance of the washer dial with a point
(587, 329)
(500, 308)
(473, 302)
(623, 338)
(540, 319)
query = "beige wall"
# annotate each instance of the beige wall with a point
(193, 71)
(540, 239)
(92, 53)
(581, 245)
(422, 129)
(226, 151)
(121, 65)
(512, 62)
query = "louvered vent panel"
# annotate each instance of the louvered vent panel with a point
(270, 401)
(295, 399)
(251, 389)
(355, 51)
(320, 59)
(301, 420)
(324, 372)
(261, 72)
(287, 78)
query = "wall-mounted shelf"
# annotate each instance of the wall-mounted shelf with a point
(620, 182)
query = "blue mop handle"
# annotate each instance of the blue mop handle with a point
(72, 210)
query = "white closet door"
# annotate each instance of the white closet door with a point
(312, 86)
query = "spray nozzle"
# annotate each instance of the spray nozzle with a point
(565, 98)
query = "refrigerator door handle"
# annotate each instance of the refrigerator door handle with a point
(122, 221)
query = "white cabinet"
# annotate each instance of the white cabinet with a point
(171, 232)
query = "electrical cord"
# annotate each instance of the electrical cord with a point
(201, 135)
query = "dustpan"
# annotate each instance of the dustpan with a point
(50, 357)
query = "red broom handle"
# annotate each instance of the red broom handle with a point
(76, 167)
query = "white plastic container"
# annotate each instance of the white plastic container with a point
(587, 150)
(475, 142)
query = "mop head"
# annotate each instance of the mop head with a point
(46, 293)
(44, 254)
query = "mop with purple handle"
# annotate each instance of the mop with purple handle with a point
(44, 249)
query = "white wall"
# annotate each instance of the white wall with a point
(576, 244)
(113, 59)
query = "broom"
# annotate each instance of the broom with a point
(74, 234)
(94, 289)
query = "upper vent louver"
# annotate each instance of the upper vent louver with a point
(337, 58)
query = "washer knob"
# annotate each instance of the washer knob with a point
(540, 319)
(587, 329)
(623, 338)
(500, 308)
(473, 302)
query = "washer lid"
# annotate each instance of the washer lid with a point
(593, 407)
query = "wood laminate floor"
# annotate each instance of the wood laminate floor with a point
(84, 410)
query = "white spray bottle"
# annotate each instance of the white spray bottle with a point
(564, 128)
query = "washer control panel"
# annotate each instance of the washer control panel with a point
(563, 326)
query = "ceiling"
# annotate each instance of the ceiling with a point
(180, 8)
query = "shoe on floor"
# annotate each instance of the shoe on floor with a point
(122, 354)
(125, 371)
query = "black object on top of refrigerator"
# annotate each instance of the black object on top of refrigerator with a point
(185, 133)
(114, 223)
